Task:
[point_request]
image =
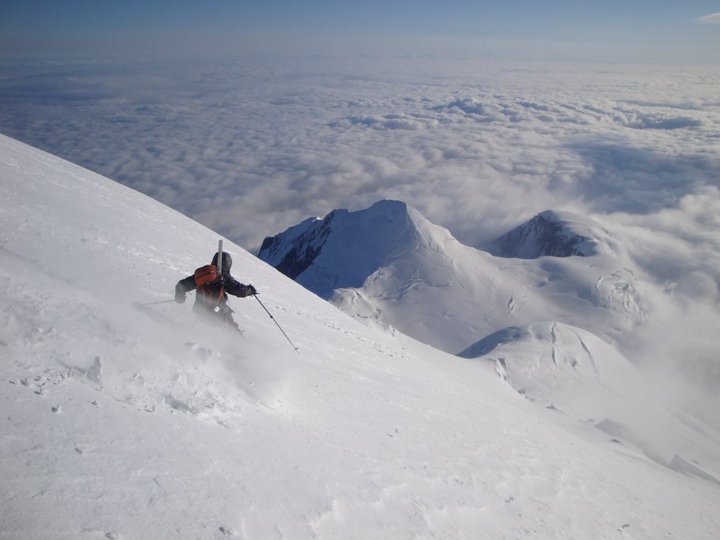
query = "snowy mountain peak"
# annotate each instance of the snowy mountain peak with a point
(550, 233)
(345, 248)
(391, 265)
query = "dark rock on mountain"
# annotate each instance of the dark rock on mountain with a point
(550, 234)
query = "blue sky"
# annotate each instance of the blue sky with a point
(645, 29)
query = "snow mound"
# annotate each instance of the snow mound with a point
(558, 365)
(549, 234)
(574, 373)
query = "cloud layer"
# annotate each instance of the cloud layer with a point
(251, 148)
(712, 18)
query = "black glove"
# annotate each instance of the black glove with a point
(180, 297)
(250, 290)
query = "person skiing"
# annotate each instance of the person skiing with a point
(212, 290)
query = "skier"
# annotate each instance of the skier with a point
(212, 290)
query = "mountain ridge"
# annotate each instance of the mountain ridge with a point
(343, 249)
(406, 279)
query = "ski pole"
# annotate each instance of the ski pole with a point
(158, 302)
(278, 325)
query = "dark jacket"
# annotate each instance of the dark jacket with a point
(207, 295)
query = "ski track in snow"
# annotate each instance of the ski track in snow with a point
(126, 423)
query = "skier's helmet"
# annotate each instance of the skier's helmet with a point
(226, 262)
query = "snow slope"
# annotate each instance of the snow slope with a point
(389, 264)
(573, 372)
(127, 423)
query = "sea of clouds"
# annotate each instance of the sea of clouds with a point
(250, 147)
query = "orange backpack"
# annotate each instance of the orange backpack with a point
(206, 279)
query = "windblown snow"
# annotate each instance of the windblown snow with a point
(124, 419)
